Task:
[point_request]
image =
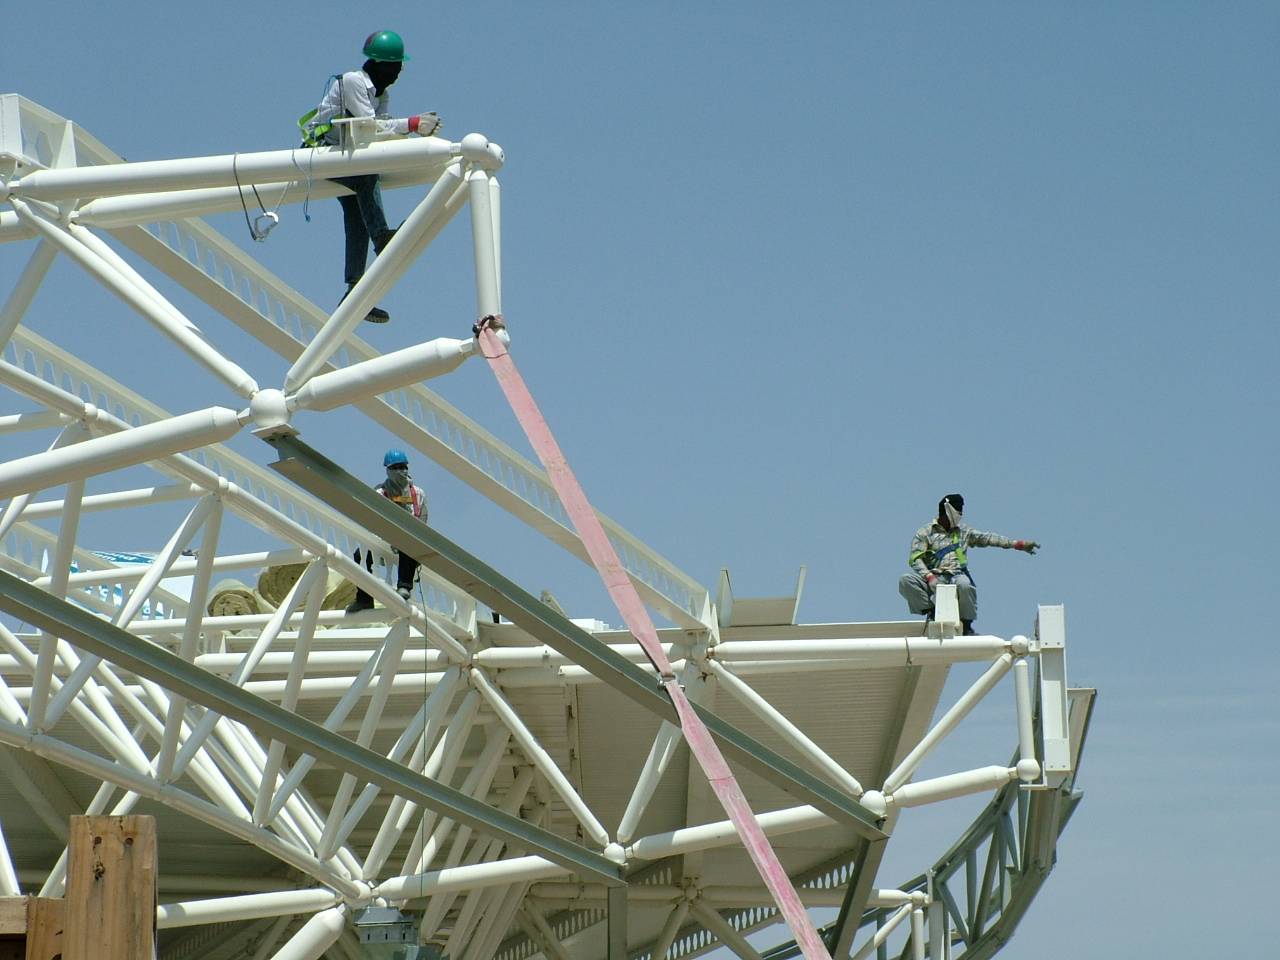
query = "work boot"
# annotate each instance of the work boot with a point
(375, 315)
(361, 603)
(380, 243)
(968, 628)
(405, 592)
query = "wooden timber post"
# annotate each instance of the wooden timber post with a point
(111, 889)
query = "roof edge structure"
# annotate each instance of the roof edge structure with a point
(468, 772)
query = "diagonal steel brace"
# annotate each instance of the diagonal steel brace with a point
(271, 721)
(321, 477)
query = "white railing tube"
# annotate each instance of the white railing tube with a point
(39, 420)
(143, 298)
(882, 934)
(369, 378)
(33, 274)
(665, 744)
(252, 906)
(658, 951)
(386, 269)
(918, 942)
(471, 877)
(948, 722)
(952, 785)
(723, 833)
(316, 936)
(113, 451)
(488, 296)
(170, 319)
(1028, 765)
(879, 651)
(723, 930)
(244, 169)
(292, 686)
(190, 638)
(538, 754)
(425, 723)
(143, 497)
(780, 725)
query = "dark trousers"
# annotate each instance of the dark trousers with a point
(363, 219)
(407, 569)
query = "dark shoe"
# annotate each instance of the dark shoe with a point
(376, 315)
(405, 592)
(968, 628)
(381, 242)
(361, 603)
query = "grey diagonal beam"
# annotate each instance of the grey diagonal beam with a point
(318, 475)
(271, 721)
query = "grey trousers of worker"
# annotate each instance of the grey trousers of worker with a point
(916, 591)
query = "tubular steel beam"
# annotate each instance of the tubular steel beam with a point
(323, 478)
(96, 636)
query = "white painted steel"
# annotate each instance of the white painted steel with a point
(538, 754)
(472, 877)
(895, 651)
(316, 936)
(784, 728)
(727, 935)
(9, 886)
(190, 637)
(670, 928)
(882, 934)
(251, 906)
(968, 700)
(917, 933)
(145, 496)
(1028, 765)
(391, 371)
(709, 835)
(104, 266)
(114, 451)
(385, 270)
(276, 166)
(19, 422)
(488, 295)
(19, 300)
(1051, 639)
(952, 785)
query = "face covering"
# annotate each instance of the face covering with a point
(953, 515)
(397, 480)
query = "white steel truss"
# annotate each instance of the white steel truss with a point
(486, 783)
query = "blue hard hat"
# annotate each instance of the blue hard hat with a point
(394, 456)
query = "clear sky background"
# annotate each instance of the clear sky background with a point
(783, 275)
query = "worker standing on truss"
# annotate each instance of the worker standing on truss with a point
(938, 555)
(356, 94)
(400, 489)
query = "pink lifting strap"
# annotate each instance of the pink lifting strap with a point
(633, 611)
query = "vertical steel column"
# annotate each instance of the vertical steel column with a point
(617, 906)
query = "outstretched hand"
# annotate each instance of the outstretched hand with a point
(428, 124)
(1029, 546)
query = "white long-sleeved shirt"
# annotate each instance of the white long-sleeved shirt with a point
(352, 95)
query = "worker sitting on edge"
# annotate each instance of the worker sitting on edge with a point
(398, 488)
(363, 93)
(938, 556)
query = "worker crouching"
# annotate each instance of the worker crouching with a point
(939, 554)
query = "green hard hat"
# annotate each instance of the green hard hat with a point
(385, 45)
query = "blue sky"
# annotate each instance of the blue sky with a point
(781, 276)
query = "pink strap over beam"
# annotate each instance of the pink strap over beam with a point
(633, 611)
